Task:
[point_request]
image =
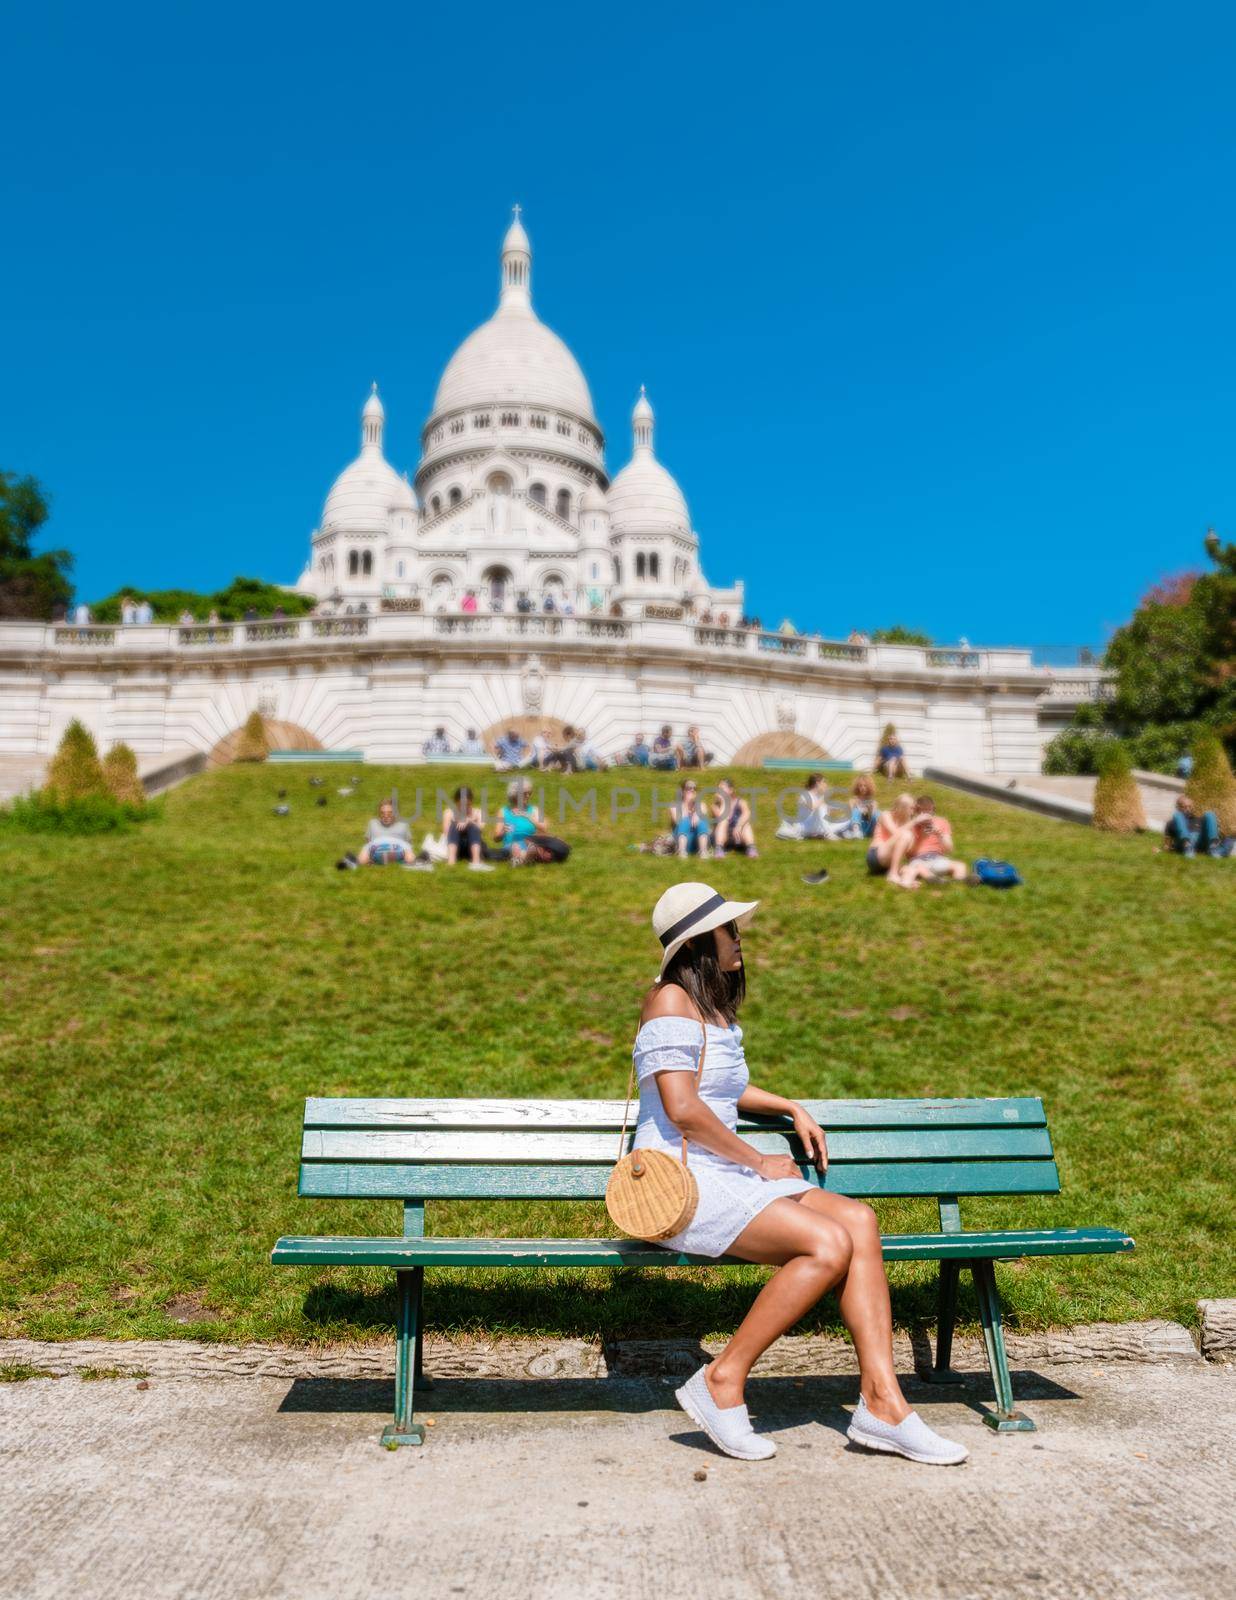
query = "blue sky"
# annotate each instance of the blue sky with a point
(935, 304)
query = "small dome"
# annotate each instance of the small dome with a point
(592, 499)
(643, 407)
(363, 494)
(374, 406)
(404, 499)
(644, 495)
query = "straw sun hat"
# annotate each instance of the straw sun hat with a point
(689, 909)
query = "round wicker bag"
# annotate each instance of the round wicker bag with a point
(651, 1194)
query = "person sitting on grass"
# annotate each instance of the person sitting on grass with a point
(689, 824)
(691, 752)
(733, 827)
(1190, 833)
(812, 820)
(511, 751)
(664, 758)
(864, 811)
(891, 760)
(388, 843)
(930, 856)
(639, 754)
(519, 821)
(462, 824)
(891, 838)
(589, 755)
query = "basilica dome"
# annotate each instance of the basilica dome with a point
(366, 490)
(514, 356)
(644, 495)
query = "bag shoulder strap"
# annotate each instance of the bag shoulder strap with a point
(626, 1110)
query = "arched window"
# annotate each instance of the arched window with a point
(640, 564)
(617, 569)
(399, 569)
(435, 505)
(654, 565)
(510, 419)
(596, 572)
(353, 563)
(537, 494)
(563, 504)
(367, 563)
(455, 496)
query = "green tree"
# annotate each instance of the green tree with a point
(241, 595)
(898, 634)
(30, 585)
(253, 744)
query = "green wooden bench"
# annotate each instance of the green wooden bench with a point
(804, 764)
(303, 757)
(416, 1151)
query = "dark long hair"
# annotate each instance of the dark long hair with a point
(713, 992)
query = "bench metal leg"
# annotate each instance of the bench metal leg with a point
(407, 1351)
(1006, 1418)
(946, 1319)
(422, 1381)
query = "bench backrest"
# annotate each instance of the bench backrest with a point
(416, 1150)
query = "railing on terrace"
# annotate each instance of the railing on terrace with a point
(966, 660)
(398, 622)
(339, 627)
(86, 634)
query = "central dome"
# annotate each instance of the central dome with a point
(514, 357)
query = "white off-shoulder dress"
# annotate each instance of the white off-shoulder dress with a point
(730, 1194)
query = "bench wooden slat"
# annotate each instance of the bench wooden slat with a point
(483, 1146)
(599, 1114)
(396, 1181)
(442, 1252)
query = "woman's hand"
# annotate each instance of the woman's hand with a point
(774, 1167)
(811, 1136)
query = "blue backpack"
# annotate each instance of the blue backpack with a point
(997, 874)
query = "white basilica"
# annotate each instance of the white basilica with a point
(511, 504)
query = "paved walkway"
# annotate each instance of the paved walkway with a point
(244, 1488)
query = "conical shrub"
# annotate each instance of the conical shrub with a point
(253, 744)
(75, 773)
(1117, 799)
(120, 776)
(1212, 786)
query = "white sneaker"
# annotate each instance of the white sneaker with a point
(911, 1437)
(480, 866)
(418, 866)
(728, 1427)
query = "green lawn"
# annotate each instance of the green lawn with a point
(172, 994)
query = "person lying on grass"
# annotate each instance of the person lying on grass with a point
(388, 842)
(757, 1207)
(930, 855)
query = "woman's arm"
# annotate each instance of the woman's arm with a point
(761, 1103)
(702, 1126)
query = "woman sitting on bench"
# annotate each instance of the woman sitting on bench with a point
(757, 1207)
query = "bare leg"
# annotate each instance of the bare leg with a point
(682, 844)
(813, 1253)
(899, 845)
(863, 1301)
(364, 856)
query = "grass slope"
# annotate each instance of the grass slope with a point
(171, 995)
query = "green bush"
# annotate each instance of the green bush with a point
(75, 773)
(120, 776)
(88, 814)
(1117, 799)
(253, 744)
(1158, 749)
(1212, 786)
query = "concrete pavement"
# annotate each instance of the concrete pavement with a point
(199, 1489)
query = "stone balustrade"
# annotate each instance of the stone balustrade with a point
(391, 627)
